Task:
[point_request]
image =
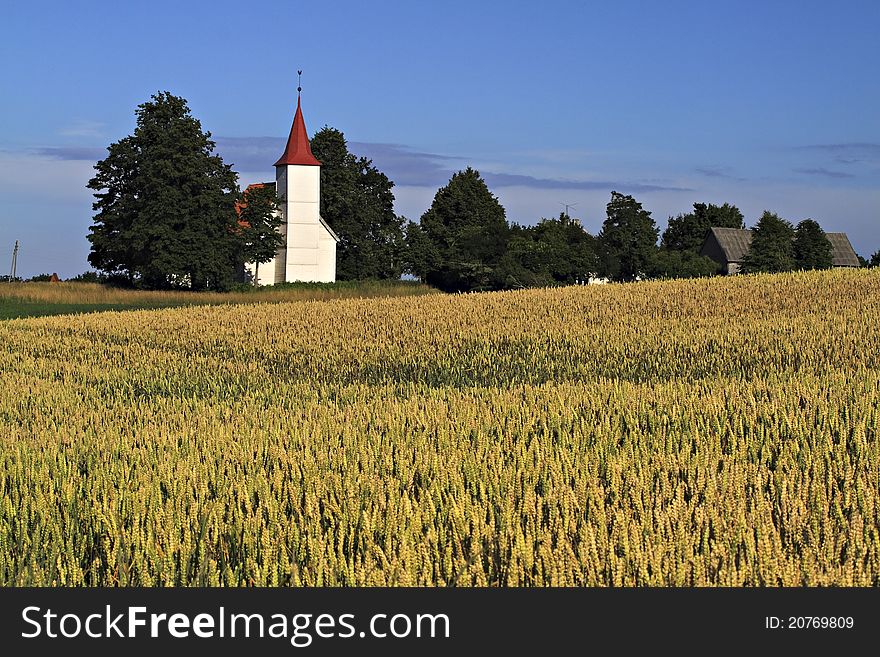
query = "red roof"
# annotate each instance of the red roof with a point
(242, 204)
(298, 150)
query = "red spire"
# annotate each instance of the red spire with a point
(298, 150)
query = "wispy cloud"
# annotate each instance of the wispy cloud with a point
(412, 168)
(849, 148)
(250, 153)
(821, 171)
(516, 180)
(83, 128)
(84, 153)
(711, 171)
(848, 154)
(407, 167)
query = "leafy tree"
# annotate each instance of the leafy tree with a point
(421, 255)
(165, 203)
(772, 246)
(812, 250)
(672, 263)
(628, 239)
(88, 277)
(570, 250)
(687, 232)
(40, 278)
(260, 221)
(357, 201)
(525, 261)
(875, 259)
(554, 252)
(464, 236)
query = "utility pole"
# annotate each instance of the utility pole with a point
(14, 261)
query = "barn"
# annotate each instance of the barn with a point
(728, 246)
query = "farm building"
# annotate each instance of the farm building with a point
(309, 249)
(728, 246)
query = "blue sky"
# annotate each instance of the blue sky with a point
(769, 105)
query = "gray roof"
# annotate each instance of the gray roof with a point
(842, 252)
(734, 243)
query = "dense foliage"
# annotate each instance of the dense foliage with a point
(628, 239)
(459, 243)
(616, 435)
(812, 250)
(687, 232)
(358, 203)
(259, 225)
(772, 247)
(165, 204)
(553, 252)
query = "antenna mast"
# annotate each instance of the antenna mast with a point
(567, 206)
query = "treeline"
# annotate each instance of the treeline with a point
(463, 243)
(170, 214)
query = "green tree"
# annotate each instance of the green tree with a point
(165, 203)
(465, 235)
(672, 263)
(421, 254)
(571, 252)
(260, 221)
(628, 239)
(875, 259)
(88, 277)
(812, 250)
(687, 232)
(525, 262)
(772, 246)
(553, 252)
(358, 202)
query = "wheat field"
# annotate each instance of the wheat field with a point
(686, 433)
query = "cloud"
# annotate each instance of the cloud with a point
(848, 153)
(821, 171)
(411, 168)
(516, 180)
(76, 153)
(717, 172)
(250, 153)
(83, 129)
(405, 166)
(851, 148)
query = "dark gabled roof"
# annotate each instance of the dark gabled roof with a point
(734, 243)
(841, 250)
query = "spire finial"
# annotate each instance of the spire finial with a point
(298, 83)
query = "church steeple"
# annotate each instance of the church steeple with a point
(298, 150)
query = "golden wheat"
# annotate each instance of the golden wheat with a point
(703, 432)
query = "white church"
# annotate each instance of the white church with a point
(309, 249)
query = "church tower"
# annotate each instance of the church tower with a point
(309, 252)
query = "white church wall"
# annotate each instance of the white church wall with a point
(309, 250)
(304, 183)
(301, 210)
(326, 272)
